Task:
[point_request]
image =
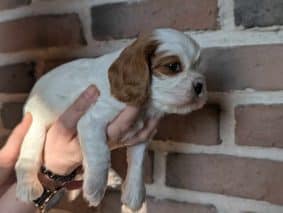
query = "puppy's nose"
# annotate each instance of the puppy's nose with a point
(198, 87)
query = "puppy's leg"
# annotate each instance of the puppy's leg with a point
(133, 193)
(96, 155)
(29, 161)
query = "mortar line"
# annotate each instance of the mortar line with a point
(226, 14)
(246, 97)
(226, 121)
(16, 97)
(95, 48)
(274, 154)
(159, 167)
(222, 202)
(85, 18)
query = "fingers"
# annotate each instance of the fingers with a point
(11, 150)
(122, 123)
(65, 126)
(146, 133)
(62, 151)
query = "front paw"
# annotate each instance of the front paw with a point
(29, 189)
(133, 195)
(114, 180)
(126, 209)
(94, 189)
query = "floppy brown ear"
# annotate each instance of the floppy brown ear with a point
(129, 75)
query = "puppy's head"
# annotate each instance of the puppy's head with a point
(160, 68)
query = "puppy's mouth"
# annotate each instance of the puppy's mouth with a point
(184, 107)
(181, 104)
(187, 102)
(194, 100)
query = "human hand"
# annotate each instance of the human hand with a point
(62, 150)
(119, 127)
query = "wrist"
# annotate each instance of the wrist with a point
(48, 199)
(54, 188)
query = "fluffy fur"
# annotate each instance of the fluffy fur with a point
(139, 74)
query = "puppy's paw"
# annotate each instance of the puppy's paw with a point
(73, 194)
(29, 190)
(133, 195)
(29, 187)
(114, 180)
(94, 189)
(126, 209)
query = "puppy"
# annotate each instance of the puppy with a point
(158, 71)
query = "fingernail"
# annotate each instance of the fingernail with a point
(92, 92)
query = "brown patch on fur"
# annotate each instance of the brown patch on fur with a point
(129, 75)
(160, 64)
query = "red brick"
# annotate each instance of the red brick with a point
(199, 127)
(41, 32)
(49, 65)
(259, 125)
(9, 4)
(258, 13)
(111, 203)
(123, 20)
(119, 164)
(11, 114)
(148, 167)
(42, 67)
(119, 161)
(18, 78)
(238, 68)
(241, 177)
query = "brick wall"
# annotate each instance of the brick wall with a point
(225, 158)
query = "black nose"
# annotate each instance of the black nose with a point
(198, 87)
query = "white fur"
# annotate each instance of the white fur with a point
(54, 92)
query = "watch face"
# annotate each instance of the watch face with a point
(55, 199)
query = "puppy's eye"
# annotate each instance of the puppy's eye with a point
(175, 67)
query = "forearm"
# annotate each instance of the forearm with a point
(10, 204)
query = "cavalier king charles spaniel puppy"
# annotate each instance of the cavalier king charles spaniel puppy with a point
(158, 71)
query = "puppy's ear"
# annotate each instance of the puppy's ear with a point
(129, 75)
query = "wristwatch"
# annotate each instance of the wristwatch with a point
(53, 188)
(48, 199)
